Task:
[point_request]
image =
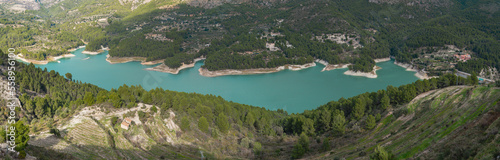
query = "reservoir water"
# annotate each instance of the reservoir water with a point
(293, 91)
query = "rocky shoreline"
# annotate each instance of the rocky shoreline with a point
(74, 49)
(329, 67)
(207, 73)
(372, 74)
(166, 69)
(95, 52)
(382, 59)
(418, 73)
(115, 60)
(49, 59)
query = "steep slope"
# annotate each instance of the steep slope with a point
(458, 122)
(452, 123)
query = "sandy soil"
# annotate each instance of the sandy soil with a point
(166, 69)
(115, 60)
(382, 59)
(74, 49)
(62, 56)
(372, 74)
(49, 59)
(93, 53)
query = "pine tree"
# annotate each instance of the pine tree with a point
(385, 102)
(203, 124)
(304, 141)
(250, 120)
(338, 123)
(325, 119)
(185, 125)
(370, 122)
(88, 99)
(222, 123)
(382, 154)
(69, 76)
(359, 108)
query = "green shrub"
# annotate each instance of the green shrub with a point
(22, 154)
(257, 148)
(245, 142)
(55, 131)
(154, 109)
(370, 122)
(114, 120)
(382, 154)
(325, 146)
(304, 141)
(298, 151)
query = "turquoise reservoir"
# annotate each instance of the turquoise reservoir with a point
(293, 91)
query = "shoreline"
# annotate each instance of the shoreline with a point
(74, 49)
(205, 72)
(164, 68)
(372, 74)
(62, 56)
(53, 59)
(329, 67)
(44, 62)
(419, 74)
(116, 60)
(95, 52)
(382, 59)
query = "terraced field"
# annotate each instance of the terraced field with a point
(441, 124)
(449, 123)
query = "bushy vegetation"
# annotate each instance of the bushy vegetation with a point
(333, 116)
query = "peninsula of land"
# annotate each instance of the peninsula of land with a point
(164, 68)
(115, 60)
(372, 74)
(49, 59)
(205, 72)
(96, 52)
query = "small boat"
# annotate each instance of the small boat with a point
(58, 61)
(86, 58)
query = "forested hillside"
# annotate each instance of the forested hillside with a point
(267, 34)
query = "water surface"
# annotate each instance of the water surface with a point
(293, 91)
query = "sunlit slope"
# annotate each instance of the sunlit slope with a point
(453, 123)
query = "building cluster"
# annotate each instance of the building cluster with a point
(157, 37)
(126, 123)
(463, 57)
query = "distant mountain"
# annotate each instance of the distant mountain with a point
(23, 5)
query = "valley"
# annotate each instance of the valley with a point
(240, 79)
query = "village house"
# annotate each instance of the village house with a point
(126, 123)
(463, 57)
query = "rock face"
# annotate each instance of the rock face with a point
(22, 5)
